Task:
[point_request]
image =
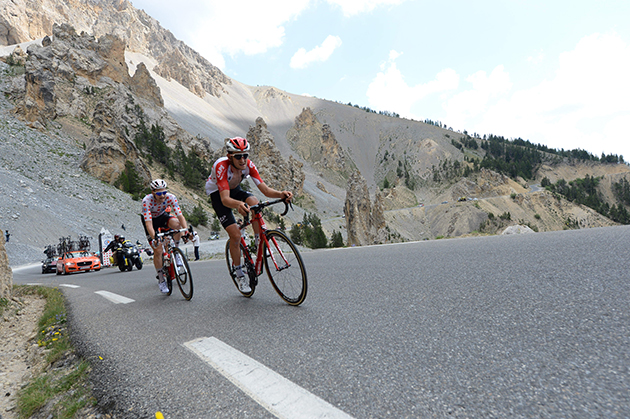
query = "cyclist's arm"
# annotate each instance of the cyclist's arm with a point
(272, 193)
(241, 206)
(150, 230)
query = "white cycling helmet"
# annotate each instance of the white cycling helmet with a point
(236, 145)
(158, 184)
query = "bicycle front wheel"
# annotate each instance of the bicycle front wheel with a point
(183, 274)
(285, 268)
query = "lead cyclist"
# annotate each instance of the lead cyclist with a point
(223, 186)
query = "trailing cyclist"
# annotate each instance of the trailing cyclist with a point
(157, 212)
(223, 186)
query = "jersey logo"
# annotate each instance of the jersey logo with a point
(220, 171)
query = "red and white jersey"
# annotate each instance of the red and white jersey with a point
(223, 177)
(152, 209)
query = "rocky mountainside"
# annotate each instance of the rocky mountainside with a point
(91, 74)
(27, 20)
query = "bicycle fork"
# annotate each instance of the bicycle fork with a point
(273, 258)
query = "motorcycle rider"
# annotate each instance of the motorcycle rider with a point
(114, 245)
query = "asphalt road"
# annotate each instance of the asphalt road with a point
(514, 326)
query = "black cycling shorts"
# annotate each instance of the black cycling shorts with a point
(161, 221)
(225, 214)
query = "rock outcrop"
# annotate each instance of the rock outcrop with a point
(109, 148)
(277, 172)
(6, 273)
(365, 222)
(25, 20)
(61, 75)
(86, 78)
(316, 143)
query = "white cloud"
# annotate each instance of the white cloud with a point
(321, 53)
(474, 102)
(354, 7)
(583, 106)
(227, 29)
(390, 92)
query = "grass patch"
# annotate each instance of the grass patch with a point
(62, 387)
(4, 304)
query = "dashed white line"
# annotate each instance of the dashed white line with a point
(114, 298)
(69, 286)
(275, 393)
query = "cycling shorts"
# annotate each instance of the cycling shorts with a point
(225, 214)
(161, 221)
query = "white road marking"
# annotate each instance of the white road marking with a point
(275, 393)
(69, 286)
(114, 298)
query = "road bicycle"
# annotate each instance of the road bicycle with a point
(172, 270)
(279, 254)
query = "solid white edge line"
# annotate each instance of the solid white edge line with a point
(114, 298)
(275, 393)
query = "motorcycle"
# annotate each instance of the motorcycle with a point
(128, 256)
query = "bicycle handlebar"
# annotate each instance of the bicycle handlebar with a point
(172, 232)
(261, 205)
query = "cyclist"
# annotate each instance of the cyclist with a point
(155, 215)
(223, 186)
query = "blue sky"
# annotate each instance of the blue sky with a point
(552, 72)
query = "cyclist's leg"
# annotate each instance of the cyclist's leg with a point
(235, 242)
(252, 200)
(159, 222)
(227, 220)
(174, 224)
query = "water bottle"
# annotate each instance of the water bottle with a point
(167, 259)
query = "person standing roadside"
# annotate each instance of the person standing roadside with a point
(6, 236)
(195, 241)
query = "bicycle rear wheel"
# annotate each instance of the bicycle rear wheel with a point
(285, 268)
(253, 281)
(183, 274)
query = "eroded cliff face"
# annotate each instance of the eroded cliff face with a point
(59, 72)
(80, 77)
(278, 173)
(6, 274)
(316, 143)
(365, 222)
(28, 20)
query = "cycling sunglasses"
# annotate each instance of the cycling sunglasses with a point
(161, 193)
(240, 156)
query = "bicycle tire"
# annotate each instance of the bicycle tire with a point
(290, 284)
(250, 269)
(183, 275)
